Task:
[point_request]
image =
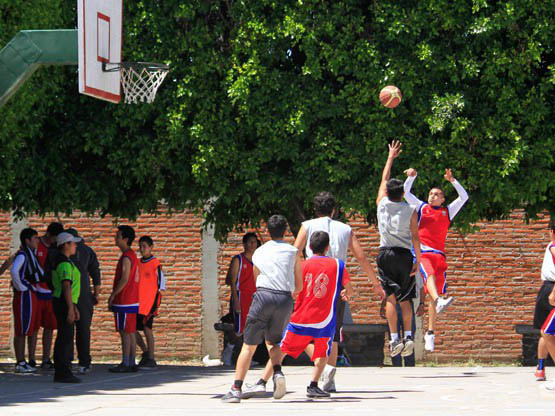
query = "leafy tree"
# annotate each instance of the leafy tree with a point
(269, 102)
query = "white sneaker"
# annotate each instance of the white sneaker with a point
(328, 379)
(549, 386)
(429, 340)
(408, 349)
(23, 368)
(279, 385)
(443, 303)
(253, 390)
(84, 369)
(395, 347)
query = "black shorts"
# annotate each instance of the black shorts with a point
(394, 267)
(339, 320)
(543, 308)
(268, 316)
(141, 319)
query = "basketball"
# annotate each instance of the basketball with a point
(390, 96)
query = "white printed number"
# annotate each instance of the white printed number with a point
(320, 285)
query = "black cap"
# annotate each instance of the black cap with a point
(72, 231)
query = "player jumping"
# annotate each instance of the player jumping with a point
(433, 222)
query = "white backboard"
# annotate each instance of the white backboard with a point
(100, 24)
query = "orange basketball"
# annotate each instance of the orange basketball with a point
(390, 96)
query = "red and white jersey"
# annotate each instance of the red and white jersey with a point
(315, 307)
(128, 299)
(548, 265)
(433, 224)
(245, 276)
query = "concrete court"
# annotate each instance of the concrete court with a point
(187, 390)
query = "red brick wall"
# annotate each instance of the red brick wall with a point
(493, 274)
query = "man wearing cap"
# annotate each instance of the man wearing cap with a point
(66, 280)
(86, 261)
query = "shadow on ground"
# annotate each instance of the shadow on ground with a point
(39, 387)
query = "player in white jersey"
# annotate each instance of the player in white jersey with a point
(342, 239)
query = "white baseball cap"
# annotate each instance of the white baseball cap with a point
(65, 237)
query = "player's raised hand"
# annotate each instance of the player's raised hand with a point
(395, 149)
(410, 172)
(449, 175)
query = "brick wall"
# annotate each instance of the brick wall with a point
(493, 274)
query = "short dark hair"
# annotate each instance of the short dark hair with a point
(319, 241)
(395, 189)
(277, 224)
(54, 228)
(127, 232)
(324, 203)
(26, 234)
(249, 235)
(552, 224)
(146, 239)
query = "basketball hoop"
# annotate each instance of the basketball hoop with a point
(140, 80)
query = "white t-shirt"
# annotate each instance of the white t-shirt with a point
(276, 262)
(339, 233)
(548, 265)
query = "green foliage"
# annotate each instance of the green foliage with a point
(268, 102)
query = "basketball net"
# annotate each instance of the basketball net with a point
(140, 81)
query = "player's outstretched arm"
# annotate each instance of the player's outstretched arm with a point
(358, 252)
(394, 152)
(455, 206)
(409, 197)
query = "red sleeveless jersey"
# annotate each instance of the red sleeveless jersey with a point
(42, 253)
(149, 283)
(129, 296)
(324, 278)
(245, 277)
(432, 226)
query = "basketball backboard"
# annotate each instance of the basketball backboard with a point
(100, 25)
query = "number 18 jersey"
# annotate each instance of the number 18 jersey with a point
(316, 305)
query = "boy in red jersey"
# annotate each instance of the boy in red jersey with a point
(124, 300)
(151, 282)
(242, 281)
(46, 252)
(433, 222)
(326, 280)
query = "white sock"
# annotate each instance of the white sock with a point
(408, 334)
(394, 336)
(328, 367)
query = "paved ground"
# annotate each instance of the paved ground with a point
(183, 390)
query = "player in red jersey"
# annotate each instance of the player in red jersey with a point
(433, 223)
(46, 316)
(242, 281)
(314, 319)
(124, 300)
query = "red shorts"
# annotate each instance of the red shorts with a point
(548, 326)
(126, 322)
(46, 316)
(293, 344)
(25, 313)
(434, 264)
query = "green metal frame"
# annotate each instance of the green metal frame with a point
(30, 49)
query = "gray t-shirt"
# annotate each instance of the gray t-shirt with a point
(394, 223)
(276, 262)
